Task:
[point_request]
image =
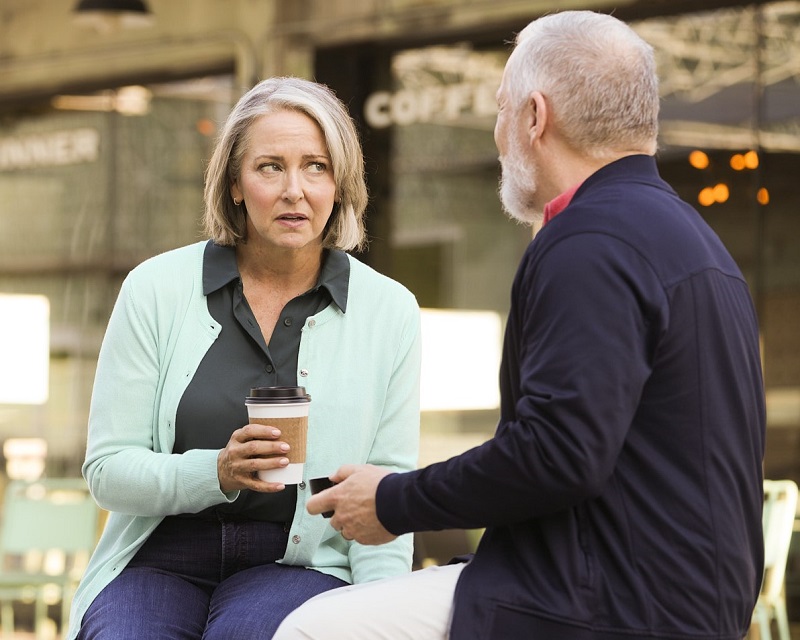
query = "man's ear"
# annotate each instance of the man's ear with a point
(537, 116)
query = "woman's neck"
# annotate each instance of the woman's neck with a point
(295, 270)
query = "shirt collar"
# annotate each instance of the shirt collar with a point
(335, 276)
(558, 204)
(219, 268)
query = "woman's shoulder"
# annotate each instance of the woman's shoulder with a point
(361, 271)
(170, 265)
(363, 274)
(173, 274)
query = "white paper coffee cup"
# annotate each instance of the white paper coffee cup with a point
(285, 408)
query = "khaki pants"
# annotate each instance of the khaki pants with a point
(415, 606)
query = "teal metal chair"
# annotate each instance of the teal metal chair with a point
(49, 529)
(780, 506)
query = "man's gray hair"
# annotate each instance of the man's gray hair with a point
(598, 76)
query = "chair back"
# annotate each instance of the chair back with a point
(49, 515)
(780, 506)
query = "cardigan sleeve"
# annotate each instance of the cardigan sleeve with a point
(128, 466)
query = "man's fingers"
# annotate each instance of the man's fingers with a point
(324, 502)
(321, 502)
(345, 471)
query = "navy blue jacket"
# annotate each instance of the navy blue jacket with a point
(622, 491)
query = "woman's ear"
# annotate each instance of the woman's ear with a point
(236, 193)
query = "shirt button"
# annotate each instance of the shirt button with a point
(287, 322)
(304, 372)
(296, 539)
(302, 485)
(270, 368)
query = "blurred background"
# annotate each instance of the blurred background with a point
(109, 109)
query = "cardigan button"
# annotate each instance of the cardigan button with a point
(312, 322)
(302, 485)
(296, 539)
(304, 372)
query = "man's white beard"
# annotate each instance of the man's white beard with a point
(517, 186)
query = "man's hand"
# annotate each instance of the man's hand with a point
(353, 502)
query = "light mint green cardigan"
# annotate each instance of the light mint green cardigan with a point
(361, 369)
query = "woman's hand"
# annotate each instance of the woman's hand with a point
(253, 448)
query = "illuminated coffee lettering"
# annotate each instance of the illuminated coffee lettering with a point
(451, 102)
(459, 99)
(404, 108)
(430, 102)
(376, 110)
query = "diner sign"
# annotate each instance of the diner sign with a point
(56, 148)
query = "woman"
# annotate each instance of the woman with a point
(196, 545)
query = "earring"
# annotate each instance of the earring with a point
(237, 202)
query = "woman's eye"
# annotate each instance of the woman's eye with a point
(318, 167)
(269, 167)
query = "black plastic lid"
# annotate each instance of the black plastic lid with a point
(277, 395)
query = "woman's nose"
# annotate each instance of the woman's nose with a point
(292, 187)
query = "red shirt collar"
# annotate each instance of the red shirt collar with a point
(558, 204)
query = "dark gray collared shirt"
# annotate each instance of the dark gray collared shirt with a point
(212, 407)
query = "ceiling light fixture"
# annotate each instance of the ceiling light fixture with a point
(112, 15)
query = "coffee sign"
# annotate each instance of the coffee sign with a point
(431, 103)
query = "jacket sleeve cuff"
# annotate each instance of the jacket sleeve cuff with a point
(390, 507)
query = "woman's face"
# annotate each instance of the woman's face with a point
(286, 182)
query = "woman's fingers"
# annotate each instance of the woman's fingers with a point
(251, 449)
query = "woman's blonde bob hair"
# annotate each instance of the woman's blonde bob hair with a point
(226, 223)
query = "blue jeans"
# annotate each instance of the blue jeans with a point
(204, 579)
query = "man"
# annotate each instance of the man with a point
(622, 491)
